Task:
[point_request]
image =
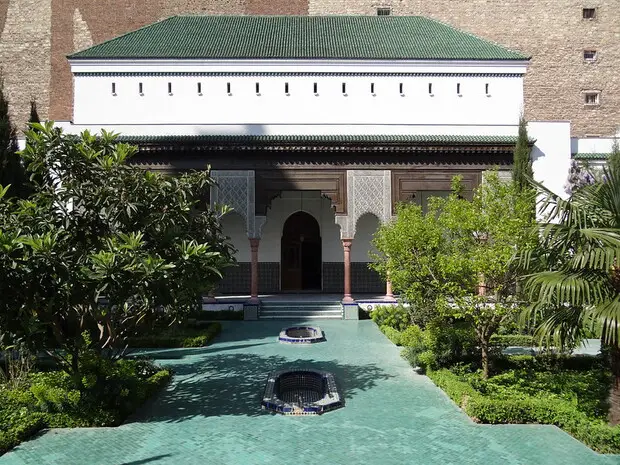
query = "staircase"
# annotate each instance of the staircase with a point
(294, 310)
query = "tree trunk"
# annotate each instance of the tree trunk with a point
(614, 395)
(484, 349)
(75, 366)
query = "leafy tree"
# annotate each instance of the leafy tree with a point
(456, 257)
(574, 278)
(102, 250)
(11, 169)
(614, 157)
(34, 114)
(522, 162)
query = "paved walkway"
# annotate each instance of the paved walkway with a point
(211, 413)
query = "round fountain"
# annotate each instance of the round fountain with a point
(301, 335)
(301, 392)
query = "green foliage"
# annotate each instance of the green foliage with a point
(614, 158)
(573, 276)
(522, 163)
(511, 340)
(395, 316)
(391, 333)
(525, 408)
(217, 315)
(439, 259)
(96, 226)
(412, 336)
(105, 395)
(179, 337)
(449, 343)
(11, 169)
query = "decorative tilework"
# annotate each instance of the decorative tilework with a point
(365, 280)
(237, 279)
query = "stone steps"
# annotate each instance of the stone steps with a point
(300, 310)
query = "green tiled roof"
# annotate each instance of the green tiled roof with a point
(591, 156)
(300, 37)
(326, 139)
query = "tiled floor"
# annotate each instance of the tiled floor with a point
(211, 413)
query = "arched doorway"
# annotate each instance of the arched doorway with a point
(301, 253)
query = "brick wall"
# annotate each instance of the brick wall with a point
(36, 36)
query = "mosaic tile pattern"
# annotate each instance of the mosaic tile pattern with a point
(237, 279)
(363, 279)
(211, 413)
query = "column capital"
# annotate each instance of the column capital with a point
(254, 242)
(347, 243)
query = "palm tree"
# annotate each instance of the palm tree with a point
(574, 280)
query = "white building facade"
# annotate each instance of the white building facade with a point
(314, 128)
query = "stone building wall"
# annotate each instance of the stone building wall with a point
(36, 36)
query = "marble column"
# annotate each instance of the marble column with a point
(254, 242)
(388, 290)
(346, 245)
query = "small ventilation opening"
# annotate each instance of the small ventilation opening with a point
(384, 11)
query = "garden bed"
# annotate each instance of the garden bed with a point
(529, 392)
(196, 334)
(104, 394)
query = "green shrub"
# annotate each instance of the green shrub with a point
(216, 315)
(391, 333)
(449, 343)
(107, 392)
(510, 340)
(394, 316)
(427, 360)
(529, 409)
(179, 337)
(412, 336)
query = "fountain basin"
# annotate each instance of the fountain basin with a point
(301, 392)
(301, 335)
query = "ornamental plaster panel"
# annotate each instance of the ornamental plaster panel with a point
(236, 188)
(368, 191)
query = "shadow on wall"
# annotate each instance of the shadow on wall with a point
(233, 384)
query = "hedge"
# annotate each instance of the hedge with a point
(595, 433)
(192, 337)
(391, 333)
(22, 416)
(511, 340)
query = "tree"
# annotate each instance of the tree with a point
(97, 227)
(614, 157)
(574, 275)
(522, 163)
(456, 257)
(34, 114)
(11, 169)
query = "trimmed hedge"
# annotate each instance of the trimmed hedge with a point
(217, 315)
(51, 400)
(185, 337)
(391, 333)
(511, 340)
(528, 409)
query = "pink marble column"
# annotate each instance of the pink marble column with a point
(346, 245)
(388, 290)
(254, 269)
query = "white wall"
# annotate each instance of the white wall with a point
(366, 227)
(592, 145)
(551, 154)
(95, 103)
(233, 225)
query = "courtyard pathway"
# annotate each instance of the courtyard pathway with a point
(211, 414)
